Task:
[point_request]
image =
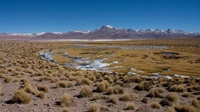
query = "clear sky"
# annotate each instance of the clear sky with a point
(32, 16)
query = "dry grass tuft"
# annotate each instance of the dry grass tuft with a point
(186, 94)
(63, 84)
(126, 97)
(66, 100)
(171, 110)
(113, 100)
(177, 88)
(155, 105)
(41, 95)
(95, 96)
(196, 103)
(165, 102)
(65, 110)
(43, 88)
(94, 108)
(115, 90)
(130, 106)
(8, 79)
(155, 93)
(85, 92)
(172, 97)
(20, 96)
(83, 81)
(103, 86)
(184, 108)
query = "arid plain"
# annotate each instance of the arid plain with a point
(158, 75)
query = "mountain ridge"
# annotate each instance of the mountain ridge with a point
(104, 32)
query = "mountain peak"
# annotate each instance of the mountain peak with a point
(108, 26)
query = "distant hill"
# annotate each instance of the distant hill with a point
(105, 32)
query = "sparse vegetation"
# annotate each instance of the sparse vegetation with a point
(155, 105)
(85, 92)
(94, 108)
(172, 97)
(66, 100)
(130, 106)
(42, 83)
(184, 108)
(20, 96)
(126, 97)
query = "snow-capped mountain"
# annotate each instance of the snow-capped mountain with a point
(104, 32)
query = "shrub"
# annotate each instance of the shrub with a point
(103, 86)
(172, 97)
(85, 92)
(65, 110)
(130, 106)
(196, 103)
(94, 108)
(186, 94)
(41, 95)
(96, 96)
(83, 81)
(165, 102)
(145, 85)
(155, 105)
(20, 96)
(118, 89)
(66, 100)
(113, 100)
(8, 79)
(145, 100)
(63, 84)
(177, 88)
(126, 97)
(184, 108)
(155, 93)
(171, 110)
(43, 88)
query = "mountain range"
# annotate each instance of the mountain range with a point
(104, 32)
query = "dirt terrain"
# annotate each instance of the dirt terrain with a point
(29, 83)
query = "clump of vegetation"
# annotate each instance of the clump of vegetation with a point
(117, 89)
(196, 103)
(145, 85)
(103, 86)
(130, 106)
(65, 110)
(186, 94)
(20, 96)
(94, 108)
(155, 105)
(8, 79)
(63, 84)
(96, 96)
(184, 108)
(41, 95)
(83, 81)
(43, 88)
(172, 97)
(177, 88)
(171, 110)
(66, 100)
(85, 92)
(165, 102)
(145, 100)
(126, 97)
(113, 100)
(155, 93)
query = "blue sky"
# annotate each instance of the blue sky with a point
(31, 16)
